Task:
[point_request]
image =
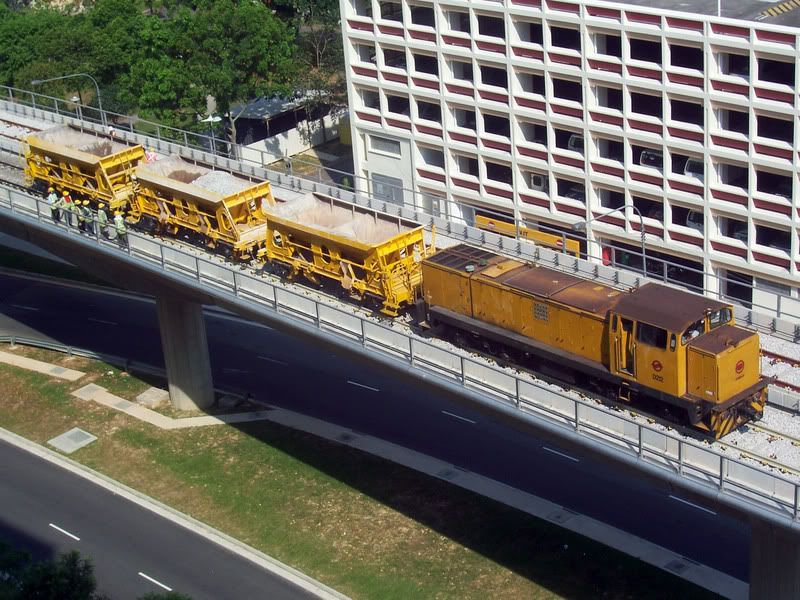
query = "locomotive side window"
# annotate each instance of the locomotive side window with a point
(694, 330)
(719, 317)
(652, 336)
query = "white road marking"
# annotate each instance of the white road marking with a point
(65, 532)
(25, 307)
(459, 417)
(692, 504)
(236, 318)
(361, 385)
(561, 454)
(232, 370)
(274, 360)
(158, 583)
(103, 321)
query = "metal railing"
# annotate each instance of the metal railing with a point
(610, 275)
(745, 486)
(271, 166)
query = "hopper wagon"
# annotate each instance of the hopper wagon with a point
(88, 165)
(652, 346)
(222, 209)
(367, 252)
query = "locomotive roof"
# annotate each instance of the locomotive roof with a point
(720, 339)
(544, 282)
(562, 287)
(666, 307)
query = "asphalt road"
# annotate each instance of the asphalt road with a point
(50, 510)
(278, 369)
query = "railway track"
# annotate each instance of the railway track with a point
(745, 444)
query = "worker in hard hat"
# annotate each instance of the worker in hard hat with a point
(80, 214)
(102, 220)
(119, 226)
(69, 209)
(88, 218)
(53, 203)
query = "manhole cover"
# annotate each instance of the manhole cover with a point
(72, 440)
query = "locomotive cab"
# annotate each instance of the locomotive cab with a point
(689, 351)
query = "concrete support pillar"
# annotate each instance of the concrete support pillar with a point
(183, 338)
(774, 562)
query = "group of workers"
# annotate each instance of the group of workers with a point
(77, 213)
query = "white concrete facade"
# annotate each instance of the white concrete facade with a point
(554, 112)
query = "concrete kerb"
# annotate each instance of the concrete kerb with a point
(213, 535)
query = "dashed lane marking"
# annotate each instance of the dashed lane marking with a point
(561, 454)
(361, 385)
(459, 417)
(158, 583)
(65, 532)
(274, 360)
(25, 307)
(101, 321)
(692, 504)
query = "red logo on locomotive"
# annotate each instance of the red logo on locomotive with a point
(739, 367)
(657, 366)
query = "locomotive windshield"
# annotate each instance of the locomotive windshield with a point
(719, 317)
(693, 331)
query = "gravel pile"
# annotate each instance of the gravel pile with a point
(222, 182)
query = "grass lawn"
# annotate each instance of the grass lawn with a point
(364, 526)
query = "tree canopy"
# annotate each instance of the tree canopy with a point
(160, 59)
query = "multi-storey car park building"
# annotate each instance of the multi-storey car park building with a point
(554, 112)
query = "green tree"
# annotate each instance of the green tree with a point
(238, 51)
(321, 79)
(69, 577)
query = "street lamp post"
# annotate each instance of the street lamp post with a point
(94, 81)
(581, 226)
(211, 120)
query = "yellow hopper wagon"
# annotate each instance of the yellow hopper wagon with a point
(225, 210)
(369, 253)
(88, 165)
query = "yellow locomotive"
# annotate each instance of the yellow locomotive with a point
(652, 344)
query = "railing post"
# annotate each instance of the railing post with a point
(639, 449)
(463, 372)
(722, 460)
(516, 385)
(577, 415)
(796, 500)
(680, 457)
